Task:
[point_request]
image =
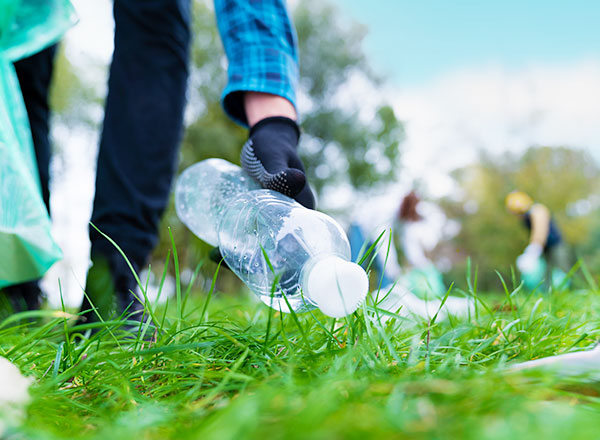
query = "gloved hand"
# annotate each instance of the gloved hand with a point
(528, 260)
(270, 157)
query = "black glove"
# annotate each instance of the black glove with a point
(270, 157)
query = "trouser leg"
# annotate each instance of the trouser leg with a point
(143, 124)
(559, 263)
(559, 257)
(142, 130)
(35, 74)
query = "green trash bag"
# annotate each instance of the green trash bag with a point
(534, 277)
(560, 279)
(27, 249)
(425, 282)
(28, 26)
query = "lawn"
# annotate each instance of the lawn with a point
(216, 365)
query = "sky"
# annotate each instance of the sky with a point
(416, 41)
(469, 75)
(461, 75)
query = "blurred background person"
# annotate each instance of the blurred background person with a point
(422, 276)
(545, 257)
(407, 281)
(400, 257)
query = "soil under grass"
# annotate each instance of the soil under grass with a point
(216, 366)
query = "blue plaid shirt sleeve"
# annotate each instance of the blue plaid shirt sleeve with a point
(261, 47)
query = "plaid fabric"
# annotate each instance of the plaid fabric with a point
(260, 43)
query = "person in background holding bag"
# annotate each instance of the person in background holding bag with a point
(545, 240)
(143, 126)
(401, 258)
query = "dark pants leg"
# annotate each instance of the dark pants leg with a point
(143, 124)
(558, 262)
(35, 73)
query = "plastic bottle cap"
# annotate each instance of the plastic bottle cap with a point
(336, 286)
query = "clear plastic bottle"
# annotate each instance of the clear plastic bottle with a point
(203, 190)
(271, 242)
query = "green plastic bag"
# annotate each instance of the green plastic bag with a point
(425, 282)
(27, 249)
(534, 277)
(559, 279)
(28, 26)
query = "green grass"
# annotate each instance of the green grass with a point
(226, 367)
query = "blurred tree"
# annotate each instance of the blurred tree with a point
(71, 100)
(365, 146)
(64, 85)
(560, 178)
(340, 141)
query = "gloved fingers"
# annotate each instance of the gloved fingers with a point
(295, 162)
(288, 181)
(270, 157)
(533, 249)
(306, 197)
(296, 179)
(526, 263)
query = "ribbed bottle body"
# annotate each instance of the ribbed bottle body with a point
(203, 191)
(267, 239)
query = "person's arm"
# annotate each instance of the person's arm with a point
(260, 43)
(259, 106)
(540, 225)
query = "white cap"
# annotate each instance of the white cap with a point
(336, 286)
